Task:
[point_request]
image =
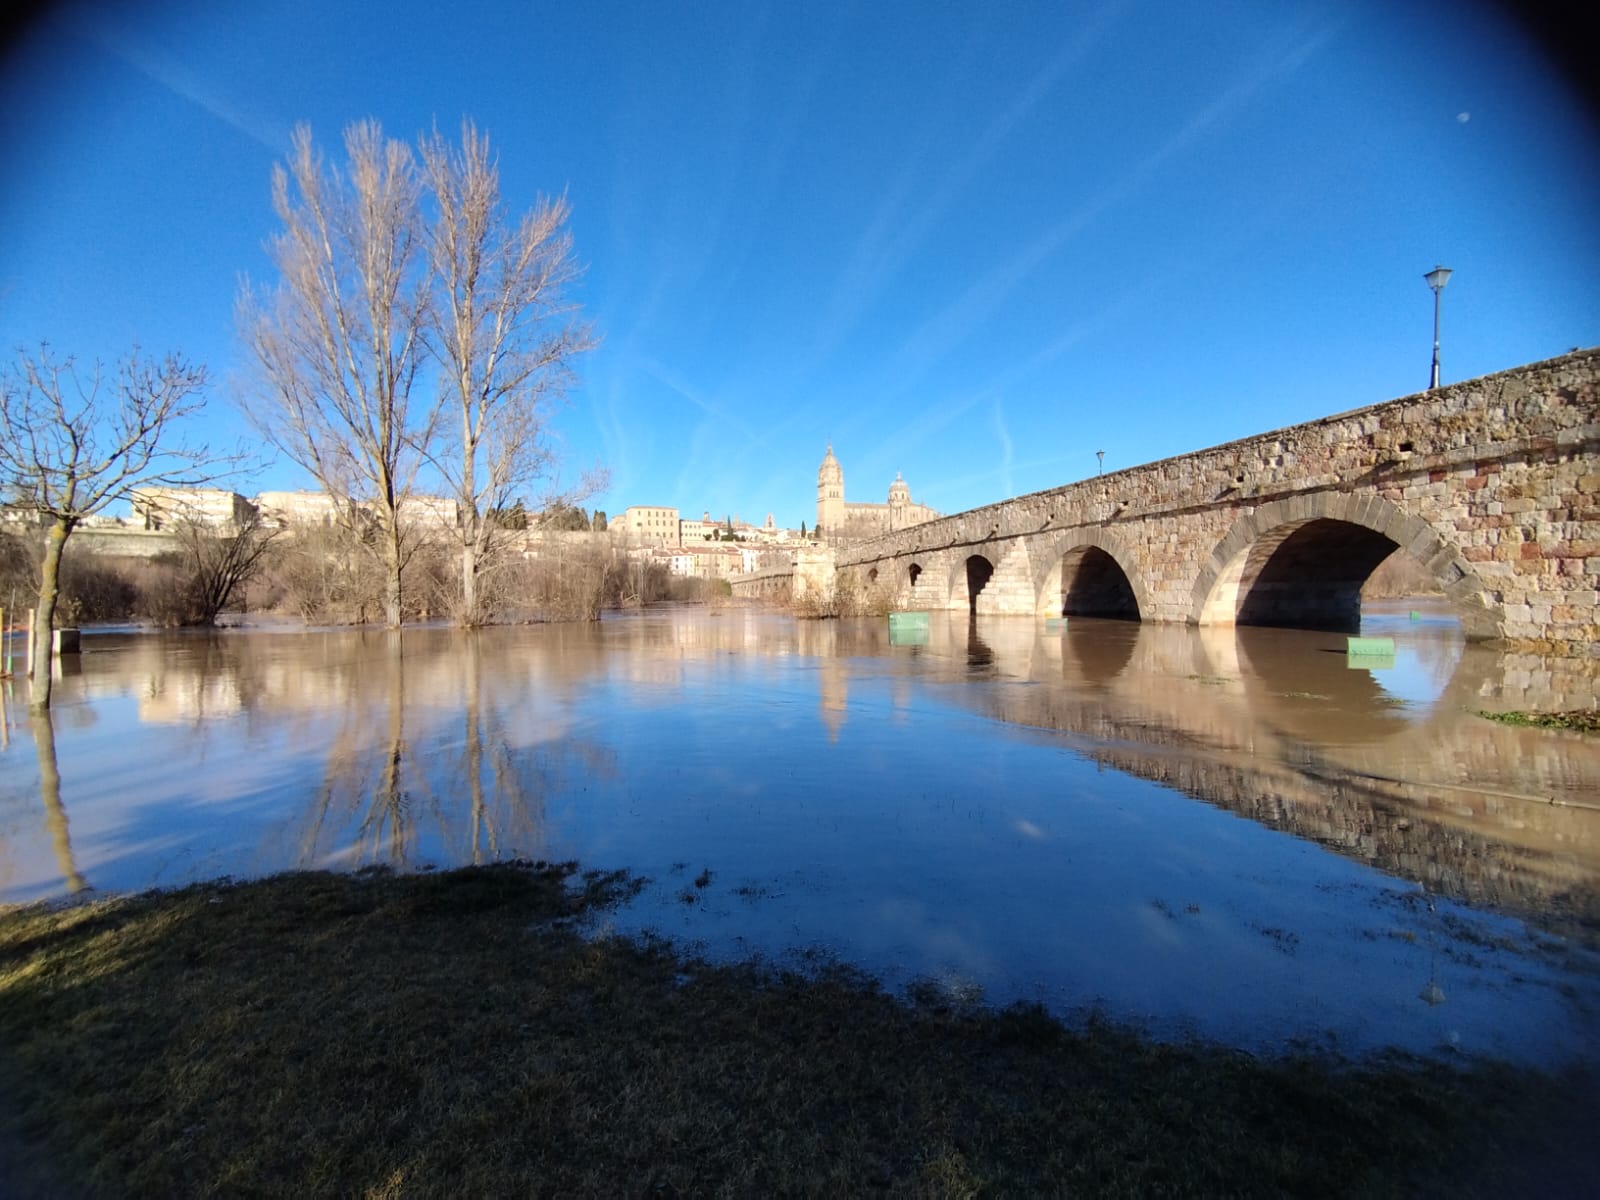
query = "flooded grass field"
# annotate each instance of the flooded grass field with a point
(1253, 836)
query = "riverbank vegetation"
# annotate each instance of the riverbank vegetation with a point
(314, 575)
(1583, 720)
(452, 1034)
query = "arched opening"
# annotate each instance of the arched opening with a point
(1303, 576)
(979, 571)
(913, 573)
(1094, 585)
(1303, 562)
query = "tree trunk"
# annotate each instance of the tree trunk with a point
(44, 617)
(393, 610)
(470, 616)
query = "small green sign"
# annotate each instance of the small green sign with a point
(1370, 645)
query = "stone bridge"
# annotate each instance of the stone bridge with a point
(1493, 485)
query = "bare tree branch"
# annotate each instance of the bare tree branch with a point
(216, 563)
(338, 343)
(506, 338)
(71, 447)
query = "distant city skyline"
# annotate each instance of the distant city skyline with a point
(969, 244)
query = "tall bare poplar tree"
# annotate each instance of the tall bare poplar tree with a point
(69, 447)
(338, 342)
(505, 338)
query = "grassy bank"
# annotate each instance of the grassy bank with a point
(448, 1034)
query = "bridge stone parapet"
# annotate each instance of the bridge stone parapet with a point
(1493, 485)
(766, 583)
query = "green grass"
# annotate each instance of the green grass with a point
(1584, 720)
(451, 1035)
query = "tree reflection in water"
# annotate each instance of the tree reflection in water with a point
(396, 778)
(55, 813)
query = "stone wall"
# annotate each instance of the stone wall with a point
(122, 542)
(769, 583)
(1492, 485)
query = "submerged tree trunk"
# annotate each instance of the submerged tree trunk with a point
(470, 616)
(393, 561)
(44, 617)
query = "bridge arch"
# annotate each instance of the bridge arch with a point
(1087, 572)
(1302, 561)
(969, 574)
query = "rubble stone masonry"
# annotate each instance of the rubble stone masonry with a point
(1493, 485)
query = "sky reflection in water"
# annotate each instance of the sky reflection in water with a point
(1202, 831)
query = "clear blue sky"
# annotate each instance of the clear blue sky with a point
(971, 242)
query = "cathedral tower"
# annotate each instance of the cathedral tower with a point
(830, 494)
(899, 504)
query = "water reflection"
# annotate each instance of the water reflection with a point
(191, 756)
(55, 813)
(1275, 725)
(1097, 652)
(979, 655)
(1313, 694)
(1001, 801)
(368, 764)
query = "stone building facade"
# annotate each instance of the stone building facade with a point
(157, 507)
(842, 520)
(651, 524)
(284, 509)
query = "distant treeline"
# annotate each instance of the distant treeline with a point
(315, 576)
(1397, 576)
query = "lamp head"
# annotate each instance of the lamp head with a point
(1437, 278)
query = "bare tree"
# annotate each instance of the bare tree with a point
(325, 574)
(70, 448)
(506, 339)
(216, 563)
(337, 344)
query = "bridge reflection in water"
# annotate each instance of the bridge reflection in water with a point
(973, 803)
(1391, 764)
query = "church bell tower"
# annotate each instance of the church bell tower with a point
(830, 494)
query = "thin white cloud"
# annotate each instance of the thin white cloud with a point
(100, 27)
(958, 320)
(961, 487)
(1006, 455)
(614, 436)
(674, 381)
(892, 238)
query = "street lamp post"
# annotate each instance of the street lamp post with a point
(1101, 455)
(1436, 278)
